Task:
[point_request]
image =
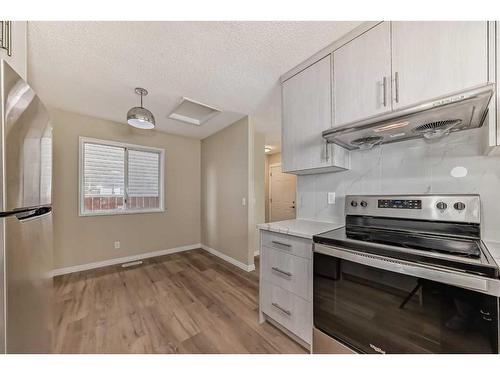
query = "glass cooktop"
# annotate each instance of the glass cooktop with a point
(445, 245)
(469, 255)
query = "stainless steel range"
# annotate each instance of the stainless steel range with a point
(407, 274)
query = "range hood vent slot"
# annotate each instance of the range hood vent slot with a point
(430, 120)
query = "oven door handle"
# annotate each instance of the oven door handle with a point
(476, 283)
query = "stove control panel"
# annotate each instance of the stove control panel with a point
(414, 204)
(445, 207)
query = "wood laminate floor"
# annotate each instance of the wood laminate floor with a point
(189, 302)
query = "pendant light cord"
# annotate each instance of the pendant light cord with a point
(141, 100)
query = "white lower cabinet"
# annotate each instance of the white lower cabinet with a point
(289, 310)
(289, 272)
(286, 284)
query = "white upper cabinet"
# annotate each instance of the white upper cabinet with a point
(13, 43)
(432, 59)
(306, 113)
(362, 76)
(376, 69)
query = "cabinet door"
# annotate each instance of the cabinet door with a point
(307, 111)
(362, 76)
(432, 59)
(17, 60)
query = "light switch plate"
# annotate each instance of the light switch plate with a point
(331, 198)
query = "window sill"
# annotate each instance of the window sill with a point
(128, 212)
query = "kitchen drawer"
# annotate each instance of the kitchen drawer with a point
(288, 271)
(301, 247)
(292, 312)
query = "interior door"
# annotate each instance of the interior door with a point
(307, 111)
(282, 194)
(362, 76)
(432, 59)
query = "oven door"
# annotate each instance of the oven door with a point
(375, 310)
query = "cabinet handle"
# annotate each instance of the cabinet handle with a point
(281, 271)
(7, 37)
(283, 310)
(396, 85)
(281, 244)
(384, 85)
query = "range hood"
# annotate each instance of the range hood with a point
(430, 120)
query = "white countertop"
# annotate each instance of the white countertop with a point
(300, 227)
(494, 249)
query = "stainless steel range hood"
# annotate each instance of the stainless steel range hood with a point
(431, 120)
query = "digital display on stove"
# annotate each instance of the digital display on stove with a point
(412, 204)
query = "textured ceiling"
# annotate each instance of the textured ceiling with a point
(93, 67)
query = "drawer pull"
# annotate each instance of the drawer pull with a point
(281, 271)
(281, 243)
(283, 310)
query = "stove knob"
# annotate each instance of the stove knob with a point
(441, 206)
(364, 204)
(354, 204)
(459, 206)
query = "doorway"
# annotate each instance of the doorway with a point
(282, 194)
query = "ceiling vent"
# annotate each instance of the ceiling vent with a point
(192, 112)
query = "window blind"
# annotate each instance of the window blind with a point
(143, 174)
(104, 170)
(143, 179)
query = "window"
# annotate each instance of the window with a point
(118, 178)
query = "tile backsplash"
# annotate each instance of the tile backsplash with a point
(411, 167)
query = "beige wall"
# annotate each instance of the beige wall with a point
(270, 159)
(80, 240)
(257, 179)
(225, 170)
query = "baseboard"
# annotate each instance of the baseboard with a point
(228, 259)
(114, 261)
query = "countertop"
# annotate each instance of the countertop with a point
(494, 249)
(300, 227)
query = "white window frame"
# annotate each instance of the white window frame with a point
(126, 146)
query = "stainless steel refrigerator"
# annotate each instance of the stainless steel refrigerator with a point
(25, 218)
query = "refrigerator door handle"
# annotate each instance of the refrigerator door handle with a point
(33, 214)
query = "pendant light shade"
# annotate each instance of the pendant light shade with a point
(140, 117)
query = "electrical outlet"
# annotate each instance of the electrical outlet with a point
(117, 244)
(243, 202)
(331, 197)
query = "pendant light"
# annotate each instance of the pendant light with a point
(140, 117)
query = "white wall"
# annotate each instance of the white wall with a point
(410, 167)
